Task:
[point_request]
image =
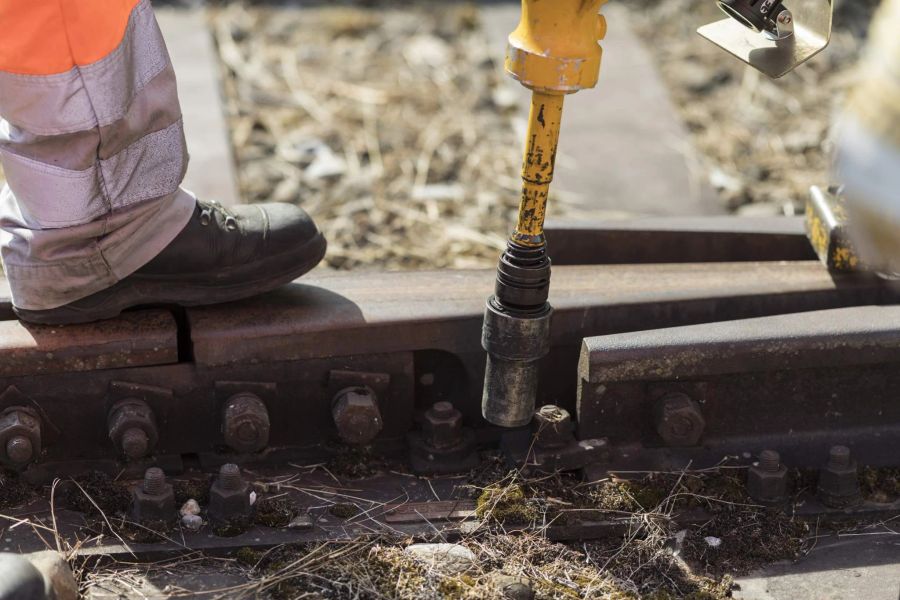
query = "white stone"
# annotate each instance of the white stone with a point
(191, 507)
(712, 542)
(192, 522)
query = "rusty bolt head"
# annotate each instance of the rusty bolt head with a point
(229, 496)
(356, 415)
(135, 443)
(19, 450)
(442, 426)
(679, 420)
(245, 423)
(839, 480)
(132, 428)
(154, 498)
(552, 427)
(767, 481)
(20, 436)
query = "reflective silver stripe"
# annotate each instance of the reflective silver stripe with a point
(152, 109)
(151, 167)
(54, 197)
(89, 96)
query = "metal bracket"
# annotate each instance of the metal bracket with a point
(811, 22)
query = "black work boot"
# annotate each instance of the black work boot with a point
(221, 255)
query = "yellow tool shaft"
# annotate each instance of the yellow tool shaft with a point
(537, 167)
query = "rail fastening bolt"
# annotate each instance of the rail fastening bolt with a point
(767, 480)
(442, 408)
(230, 477)
(442, 427)
(356, 415)
(838, 456)
(154, 480)
(769, 460)
(552, 426)
(135, 443)
(245, 423)
(839, 480)
(679, 420)
(19, 449)
(132, 428)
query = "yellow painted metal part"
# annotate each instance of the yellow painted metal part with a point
(554, 48)
(537, 167)
(554, 51)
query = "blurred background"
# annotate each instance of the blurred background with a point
(394, 125)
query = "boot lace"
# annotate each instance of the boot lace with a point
(208, 207)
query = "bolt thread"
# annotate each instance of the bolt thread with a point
(442, 408)
(154, 480)
(135, 443)
(839, 456)
(19, 449)
(769, 460)
(230, 476)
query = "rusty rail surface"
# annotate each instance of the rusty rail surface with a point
(275, 369)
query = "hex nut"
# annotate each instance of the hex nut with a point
(839, 480)
(356, 415)
(442, 427)
(552, 427)
(245, 423)
(229, 496)
(679, 420)
(20, 436)
(153, 499)
(767, 481)
(128, 420)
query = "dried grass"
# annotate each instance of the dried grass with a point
(380, 121)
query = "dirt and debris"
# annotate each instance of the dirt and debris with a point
(382, 120)
(388, 121)
(275, 511)
(14, 492)
(763, 142)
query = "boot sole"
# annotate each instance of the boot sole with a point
(187, 290)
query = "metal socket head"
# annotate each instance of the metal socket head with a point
(679, 420)
(132, 428)
(20, 436)
(229, 500)
(356, 415)
(442, 427)
(245, 423)
(766, 485)
(552, 427)
(158, 505)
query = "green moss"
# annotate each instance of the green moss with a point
(344, 510)
(13, 491)
(232, 527)
(248, 556)
(276, 512)
(196, 489)
(112, 497)
(880, 485)
(505, 504)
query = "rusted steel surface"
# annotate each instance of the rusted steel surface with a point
(344, 314)
(135, 339)
(798, 384)
(677, 240)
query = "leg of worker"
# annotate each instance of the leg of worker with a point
(93, 220)
(91, 145)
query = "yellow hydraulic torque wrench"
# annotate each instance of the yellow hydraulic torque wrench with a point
(554, 51)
